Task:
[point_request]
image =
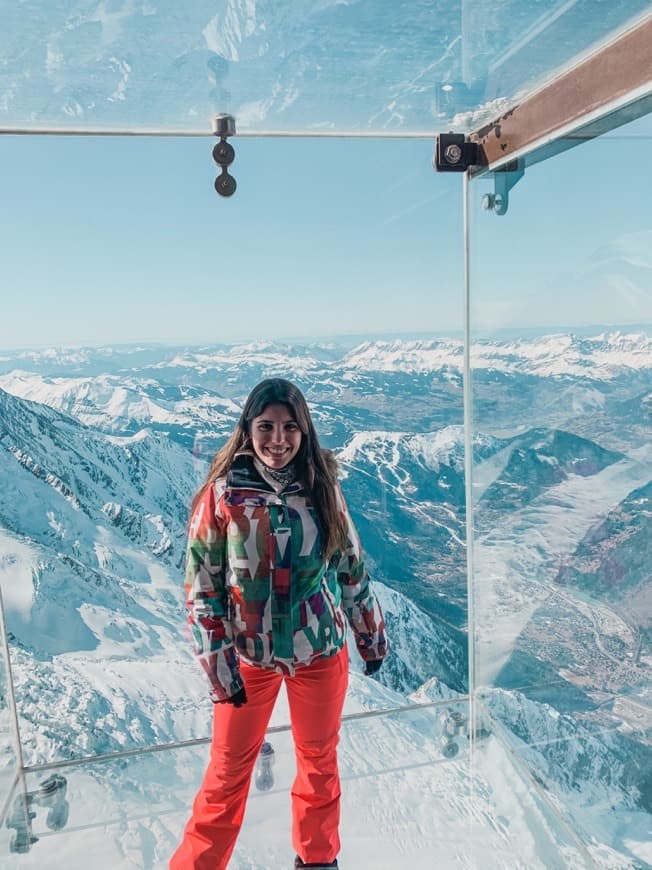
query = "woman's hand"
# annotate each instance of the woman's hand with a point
(237, 700)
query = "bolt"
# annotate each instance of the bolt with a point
(453, 153)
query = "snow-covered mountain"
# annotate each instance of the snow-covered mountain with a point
(602, 357)
(613, 561)
(118, 404)
(100, 451)
(546, 624)
(536, 461)
(78, 478)
(92, 536)
(407, 494)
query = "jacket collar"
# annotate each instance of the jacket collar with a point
(243, 474)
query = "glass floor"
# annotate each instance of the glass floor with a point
(414, 794)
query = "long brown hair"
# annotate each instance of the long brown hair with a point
(316, 468)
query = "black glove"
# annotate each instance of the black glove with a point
(237, 700)
(372, 666)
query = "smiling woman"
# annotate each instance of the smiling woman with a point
(274, 570)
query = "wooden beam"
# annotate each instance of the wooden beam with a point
(620, 68)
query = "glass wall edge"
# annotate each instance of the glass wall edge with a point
(468, 435)
(6, 806)
(11, 696)
(468, 471)
(194, 134)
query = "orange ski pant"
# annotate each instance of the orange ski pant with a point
(316, 697)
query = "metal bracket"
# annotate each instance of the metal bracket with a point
(455, 153)
(51, 793)
(504, 180)
(224, 154)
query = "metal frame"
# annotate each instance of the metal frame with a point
(201, 134)
(609, 87)
(614, 73)
(205, 741)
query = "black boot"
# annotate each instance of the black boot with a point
(332, 866)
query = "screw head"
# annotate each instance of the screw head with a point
(500, 206)
(225, 184)
(223, 153)
(453, 153)
(489, 201)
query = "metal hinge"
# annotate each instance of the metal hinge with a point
(504, 180)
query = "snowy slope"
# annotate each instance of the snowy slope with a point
(97, 474)
(92, 579)
(407, 494)
(107, 402)
(402, 801)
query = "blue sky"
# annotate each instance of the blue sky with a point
(110, 240)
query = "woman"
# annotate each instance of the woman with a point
(273, 572)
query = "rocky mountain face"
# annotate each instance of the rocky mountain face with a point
(63, 477)
(541, 459)
(612, 562)
(407, 493)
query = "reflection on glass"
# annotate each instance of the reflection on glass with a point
(562, 484)
(404, 799)
(314, 67)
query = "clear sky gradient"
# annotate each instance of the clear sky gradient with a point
(114, 240)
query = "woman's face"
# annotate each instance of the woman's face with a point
(275, 436)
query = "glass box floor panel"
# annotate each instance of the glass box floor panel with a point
(408, 796)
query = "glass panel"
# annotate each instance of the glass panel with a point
(560, 312)
(319, 66)
(406, 797)
(112, 412)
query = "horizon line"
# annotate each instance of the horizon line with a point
(343, 338)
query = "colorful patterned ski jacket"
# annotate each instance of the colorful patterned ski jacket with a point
(257, 586)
